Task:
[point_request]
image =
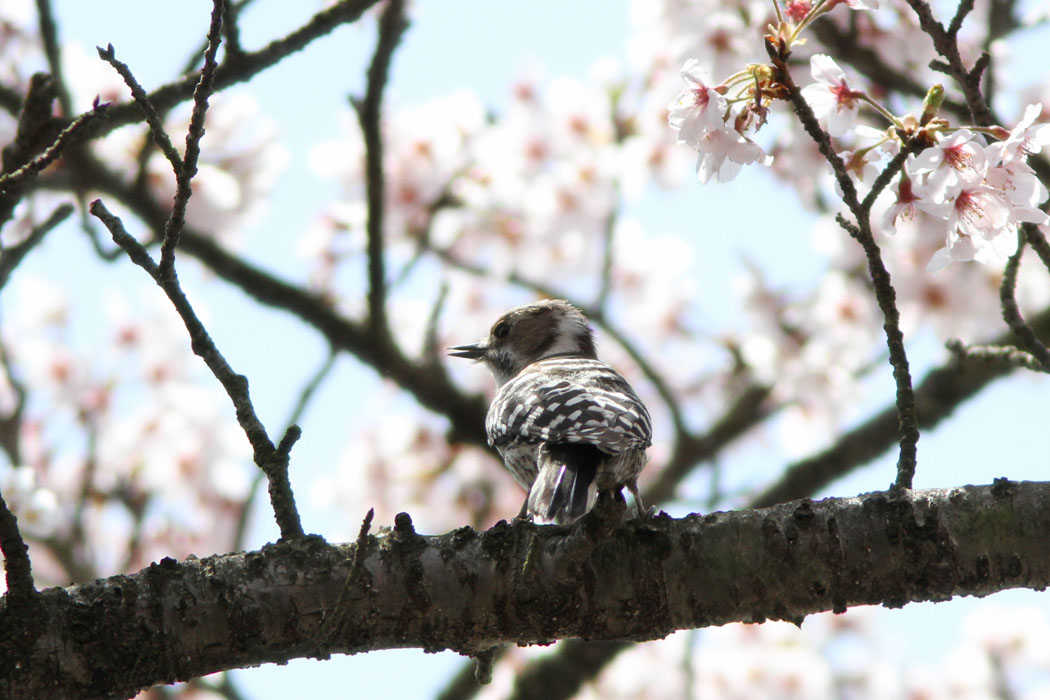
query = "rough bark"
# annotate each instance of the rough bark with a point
(468, 590)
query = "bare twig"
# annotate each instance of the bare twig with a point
(430, 384)
(53, 51)
(272, 460)
(249, 65)
(306, 395)
(11, 257)
(11, 424)
(1035, 238)
(231, 29)
(153, 119)
(177, 219)
(945, 43)
(965, 7)
(73, 131)
(999, 354)
(392, 24)
(608, 255)
(1012, 314)
(432, 352)
(940, 392)
(891, 170)
(885, 294)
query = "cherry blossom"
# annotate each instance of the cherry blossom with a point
(722, 152)
(698, 109)
(979, 228)
(1027, 138)
(834, 102)
(956, 161)
(910, 207)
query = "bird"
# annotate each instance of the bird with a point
(566, 424)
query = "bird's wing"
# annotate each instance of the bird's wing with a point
(590, 403)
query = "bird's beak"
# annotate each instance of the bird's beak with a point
(471, 352)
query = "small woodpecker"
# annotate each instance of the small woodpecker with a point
(566, 424)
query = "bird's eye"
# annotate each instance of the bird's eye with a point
(501, 330)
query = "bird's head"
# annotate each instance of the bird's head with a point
(529, 333)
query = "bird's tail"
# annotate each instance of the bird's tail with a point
(565, 489)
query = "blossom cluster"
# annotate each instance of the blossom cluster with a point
(980, 192)
(976, 194)
(701, 115)
(962, 198)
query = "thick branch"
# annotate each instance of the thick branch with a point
(526, 584)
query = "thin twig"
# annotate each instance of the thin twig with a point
(184, 175)
(1000, 354)
(392, 24)
(1035, 238)
(1012, 314)
(945, 43)
(53, 51)
(232, 31)
(37, 131)
(608, 255)
(938, 395)
(431, 385)
(884, 178)
(11, 257)
(156, 125)
(306, 395)
(11, 423)
(885, 294)
(271, 460)
(250, 64)
(432, 351)
(965, 7)
(68, 135)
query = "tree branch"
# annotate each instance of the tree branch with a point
(14, 181)
(238, 68)
(183, 175)
(527, 584)
(18, 571)
(429, 383)
(1012, 313)
(11, 257)
(392, 24)
(272, 460)
(945, 41)
(53, 51)
(885, 294)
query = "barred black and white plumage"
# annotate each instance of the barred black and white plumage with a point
(566, 424)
